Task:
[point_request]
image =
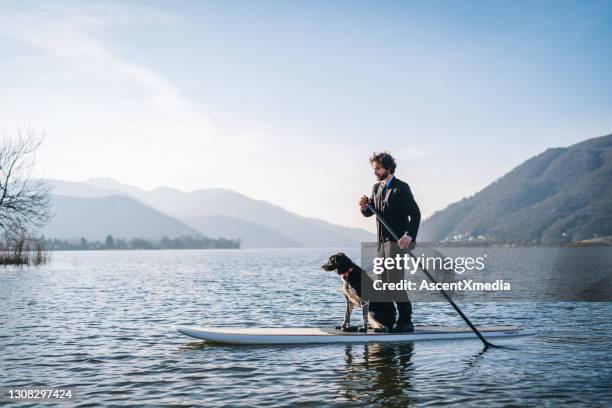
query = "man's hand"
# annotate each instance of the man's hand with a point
(404, 241)
(363, 201)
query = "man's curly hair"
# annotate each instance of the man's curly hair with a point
(384, 159)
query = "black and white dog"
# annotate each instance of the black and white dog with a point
(379, 316)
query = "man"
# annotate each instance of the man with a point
(393, 199)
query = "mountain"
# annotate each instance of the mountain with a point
(76, 189)
(310, 232)
(252, 235)
(120, 216)
(108, 184)
(223, 212)
(562, 194)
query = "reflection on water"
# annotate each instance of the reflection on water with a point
(103, 322)
(377, 373)
(473, 362)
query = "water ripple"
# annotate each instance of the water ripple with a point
(103, 322)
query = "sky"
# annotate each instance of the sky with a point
(285, 101)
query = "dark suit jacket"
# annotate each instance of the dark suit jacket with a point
(398, 208)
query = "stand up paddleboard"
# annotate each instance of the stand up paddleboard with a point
(253, 335)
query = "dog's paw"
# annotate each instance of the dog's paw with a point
(363, 330)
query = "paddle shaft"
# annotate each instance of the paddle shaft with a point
(431, 278)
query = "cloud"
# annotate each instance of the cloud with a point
(75, 33)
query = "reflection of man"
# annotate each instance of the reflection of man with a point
(388, 368)
(393, 199)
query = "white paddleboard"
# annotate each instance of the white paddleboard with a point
(255, 335)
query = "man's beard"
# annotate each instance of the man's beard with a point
(383, 176)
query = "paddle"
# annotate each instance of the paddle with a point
(431, 278)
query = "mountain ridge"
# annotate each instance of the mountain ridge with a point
(117, 215)
(558, 195)
(235, 211)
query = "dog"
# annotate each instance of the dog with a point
(379, 316)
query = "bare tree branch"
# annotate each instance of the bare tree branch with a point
(24, 202)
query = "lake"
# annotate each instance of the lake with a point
(102, 322)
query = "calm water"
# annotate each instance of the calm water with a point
(103, 322)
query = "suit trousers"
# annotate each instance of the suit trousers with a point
(389, 249)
